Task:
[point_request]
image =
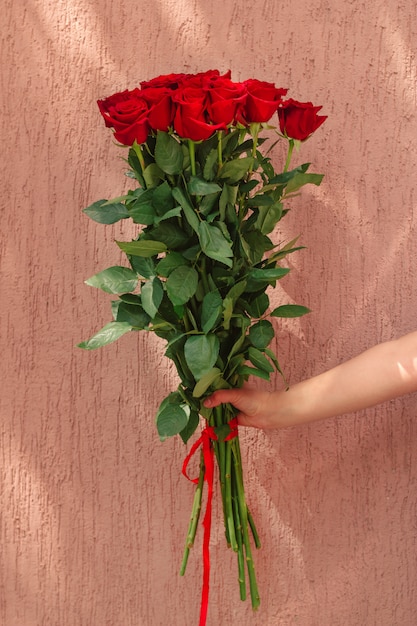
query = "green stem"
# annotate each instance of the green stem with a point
(220, 451)
(254, 531)
(195, 516)
(240, 553)
(228, 503)
(243, 513)
(139, 154)
(254, 129)
(191, 147)
(289, 154)
(219, 148)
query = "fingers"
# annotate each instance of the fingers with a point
(222, 396)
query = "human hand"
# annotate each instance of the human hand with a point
(256, 408)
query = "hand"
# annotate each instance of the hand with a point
(256, 408)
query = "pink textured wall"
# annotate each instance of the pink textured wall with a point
(93, 510)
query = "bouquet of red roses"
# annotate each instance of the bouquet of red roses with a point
(206, 203)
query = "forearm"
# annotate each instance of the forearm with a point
(381, 373)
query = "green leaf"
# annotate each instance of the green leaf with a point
(255, 244)
(211, 310)
(260, 199)
(274, 360)
(206, 381)
(258, 306)
(290, 310)
(208, 205)
(142, 210)
(268, 217)
(131, 298)
(133, 314)
(201, 352)
(245, 188)
(143, 247)
(299, 180)
(190, 214)
(268, 274)
(168, 153)
(214, 244)
(153, 175)
(189, 430)
(172, 416)
(134, 163)
(105, 213)
(109, 333)
(200, 187)
(115, 279)
(172, 235)
(261, 278)
(152, 293)
(170, 263)
(285, 177)
(259, 360)
(261, 334)
(182, 284)
(162, 199)
(143, 266)
(176, 212)
(236, 170)
(245, 370)
(230, 300)
(227, 198)
(210, 165)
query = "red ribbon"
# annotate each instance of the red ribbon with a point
(207, 436)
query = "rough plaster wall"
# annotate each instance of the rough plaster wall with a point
(93, 508)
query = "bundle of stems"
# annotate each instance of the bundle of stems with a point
(238, 522)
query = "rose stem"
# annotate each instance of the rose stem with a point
(191, 147)
(243, 512)
(220, 449)
(250, 518)
(195, 515)
(289, 154)
(230, 522)
(240, 553)
(254, 531)
(219, 148)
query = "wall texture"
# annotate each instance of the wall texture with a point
(93, 510)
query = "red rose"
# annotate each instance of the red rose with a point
(262, 100)
(174, 81)
(226, 100)
(190, 121)
(161, 107)
(126, 112)
(298, 120)
(170, 81)
(204, 80)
